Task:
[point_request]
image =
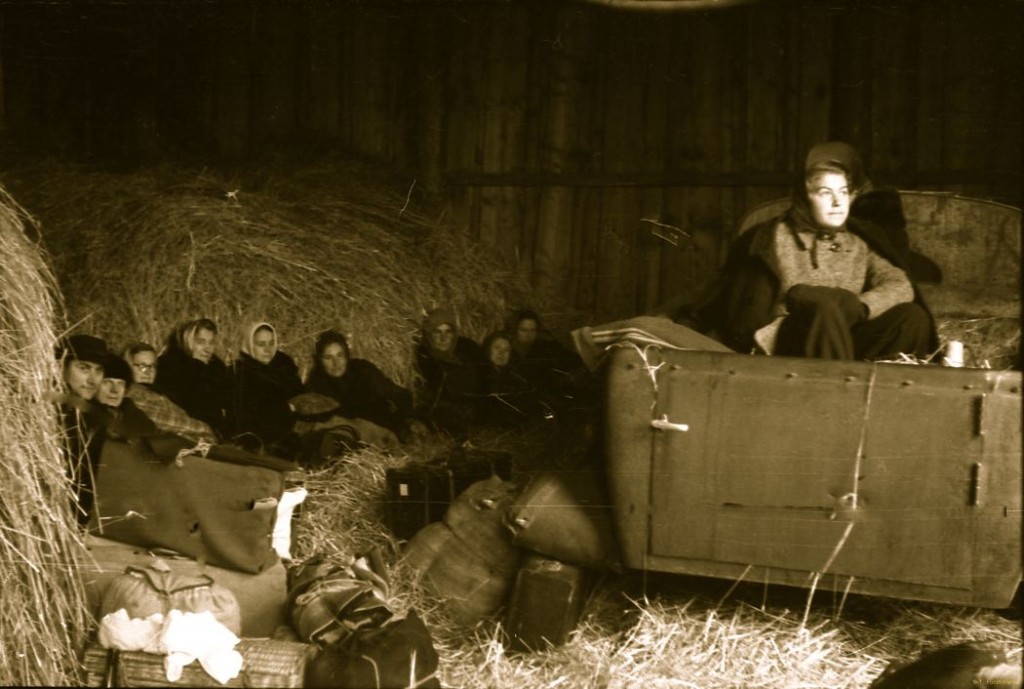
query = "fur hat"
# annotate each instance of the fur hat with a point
(116, 367)
(84, 348)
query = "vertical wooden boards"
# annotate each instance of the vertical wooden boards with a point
(893, 76)
(568, 37)
(369, 82)
(811, 74)
(502, 122)
(275, 66)
(231, 94)
(970, 88)
(324, 96)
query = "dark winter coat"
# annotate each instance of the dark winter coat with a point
(203, 390)
(364, 392)
(260, 395)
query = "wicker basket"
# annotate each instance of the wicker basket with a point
(266, 663)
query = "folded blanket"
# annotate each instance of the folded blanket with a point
(593, 342)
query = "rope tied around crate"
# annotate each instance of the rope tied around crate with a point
(650, 368)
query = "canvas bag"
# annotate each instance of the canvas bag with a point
(400, 654)
(221, 513)
(143, 591)
(566, 516)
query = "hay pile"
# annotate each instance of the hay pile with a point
(43, 618)
(653, 630)
(339, 245)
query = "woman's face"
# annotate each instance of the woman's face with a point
(111, 391)
(202, 345)
(442, 338)
(500, 351)
(264, 345)
(334, 360)
(143, 367)
(829, 196)
(526, 333)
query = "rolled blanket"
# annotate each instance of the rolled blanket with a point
(593, 342)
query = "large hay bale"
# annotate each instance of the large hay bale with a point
(44, 615)
(338, 245)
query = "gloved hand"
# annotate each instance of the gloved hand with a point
(802, 300)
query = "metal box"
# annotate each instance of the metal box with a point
(877, 478)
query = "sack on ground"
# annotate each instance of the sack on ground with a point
(143, 591)
(399, 654)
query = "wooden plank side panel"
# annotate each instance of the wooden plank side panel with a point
(370, 56)
(622, 149)
(324, 95)
(568, 44)
(970, 87)
(620, 213)
(766, 60)
(902, 516)
(276, 64)
(931, 95)
(892, 53)
(231, 95)
(503, 119)
(812, 75)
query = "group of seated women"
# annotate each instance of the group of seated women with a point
(261, 401)
(517, 375)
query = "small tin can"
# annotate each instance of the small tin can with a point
(954, 354)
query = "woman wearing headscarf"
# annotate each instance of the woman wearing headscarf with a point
(264, 379)
(450, 366)
(142, 391)
(191, 374)
(361, 389)
(828, 278)
(508, 398)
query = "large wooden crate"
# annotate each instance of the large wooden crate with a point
(888, 479)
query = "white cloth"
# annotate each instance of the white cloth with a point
(181, 637)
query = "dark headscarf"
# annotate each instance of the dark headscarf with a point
(831, 156)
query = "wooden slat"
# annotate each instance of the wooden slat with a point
(893, 76)
(232, 91)
(812, 75)
(324, 68)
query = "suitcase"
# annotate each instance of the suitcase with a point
(420, 492)
(546, 603)
(221, 512)
(567, 516)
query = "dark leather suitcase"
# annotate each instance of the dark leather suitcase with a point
(420, 492)
(546, 603)
(567, 516)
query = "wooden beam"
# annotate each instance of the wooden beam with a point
(720, 179)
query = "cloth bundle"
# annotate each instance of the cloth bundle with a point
(182, 637)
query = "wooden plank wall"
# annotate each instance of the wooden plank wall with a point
(608, 154)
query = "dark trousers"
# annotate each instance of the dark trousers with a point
(824, 333)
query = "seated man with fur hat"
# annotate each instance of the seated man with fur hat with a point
(83, 359)
(829, 278)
